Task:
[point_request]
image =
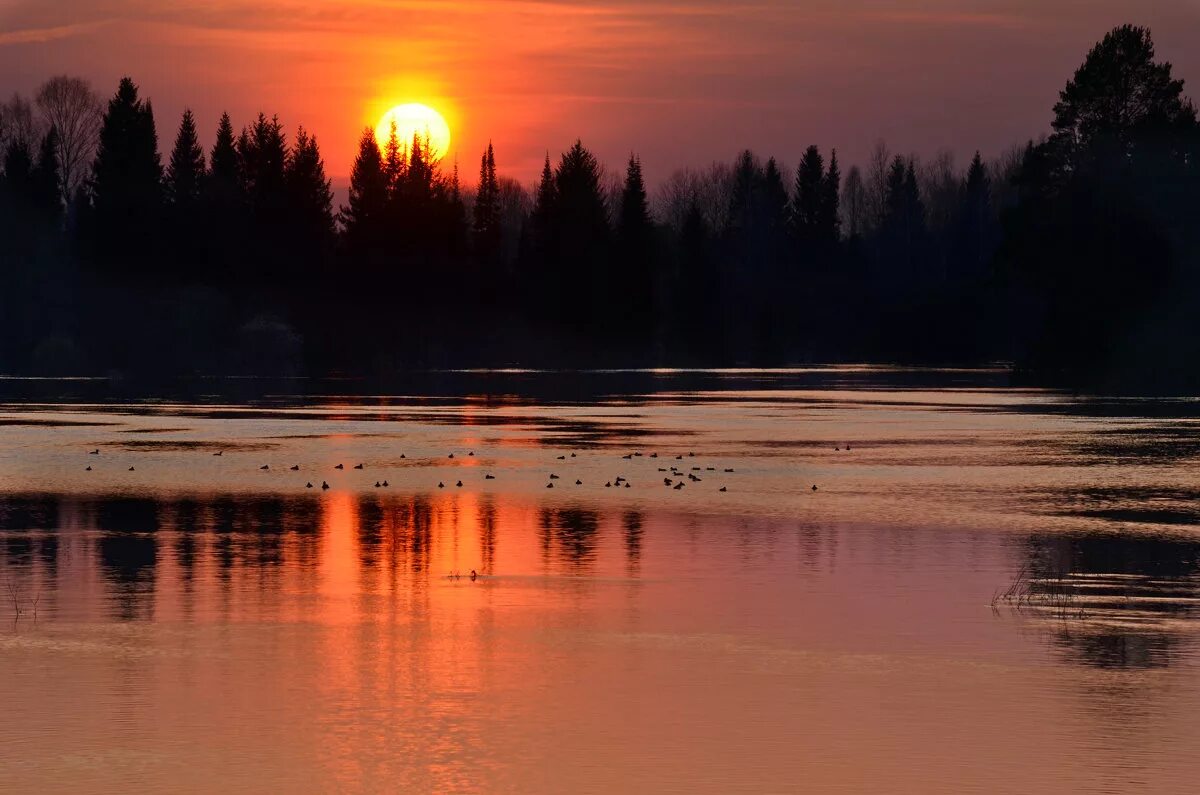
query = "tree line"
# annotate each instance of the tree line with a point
(1074, 256)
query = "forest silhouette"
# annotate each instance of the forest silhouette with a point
(1076, 256)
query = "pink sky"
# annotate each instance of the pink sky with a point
(682, 83)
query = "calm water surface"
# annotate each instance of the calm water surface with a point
(991, 590)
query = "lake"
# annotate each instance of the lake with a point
(990, 589)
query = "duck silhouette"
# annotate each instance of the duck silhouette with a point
(553, 476)
(678, 486)
(814, 488)
(296, 468)
(402, 455)
(562, 458)
(308, 485)
(441, 485)
(472, 453)
(339, 466)
(451, 455)
(459, 484)
(377, 484)
(265, 466)
(489, 477)
(89, 469)
(95, 452)
(549, 485)
(131, 469)
(219, 452)
(385, 484)
(572, 455)
(724, 489)
(473, 575)
(358, 466)
(578, 482)
(324, 486)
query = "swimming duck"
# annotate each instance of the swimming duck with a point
(95, 452)
(459, 484)
(89, 469)
(441, 485)
(553, 476)
(358, 466)
(377, 484)
(489, 477)
(265, 466)
(724, 489)
(131, 469)
(385, 484)
(549, 485)
(324, 486)
(308, 485)
(339, 466)
(678, 486)
(296, 468)
(578, 482)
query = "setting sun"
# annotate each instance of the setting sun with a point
(416, 119)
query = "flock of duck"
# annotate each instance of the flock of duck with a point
(674, 476)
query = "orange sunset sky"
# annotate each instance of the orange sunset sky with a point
(682, 83)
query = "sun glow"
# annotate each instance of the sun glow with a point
(416, 119)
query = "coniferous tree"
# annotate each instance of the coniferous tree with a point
(46, 182)
(545, 202)
(223, 205)
(635, 239)
(224, 159)
(185, 172)
(310, 199)
(486, 225)
(127, 183)
(974, 222)
(364, 217)
(808, 199)
(831, 213)
(581, 237)
(775, 202)
(394, 161)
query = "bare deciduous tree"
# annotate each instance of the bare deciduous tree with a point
(854, 204)
(877, 179)
(73, 108)
(18, 124)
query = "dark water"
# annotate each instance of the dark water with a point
(991, 590)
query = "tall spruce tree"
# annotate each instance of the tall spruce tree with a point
(486, 226)
(185, 171)
(831, 212)
(127, 184)
(808, 198)
(310, 200)
(365, 216)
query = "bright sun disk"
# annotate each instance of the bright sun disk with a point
(416, 119)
